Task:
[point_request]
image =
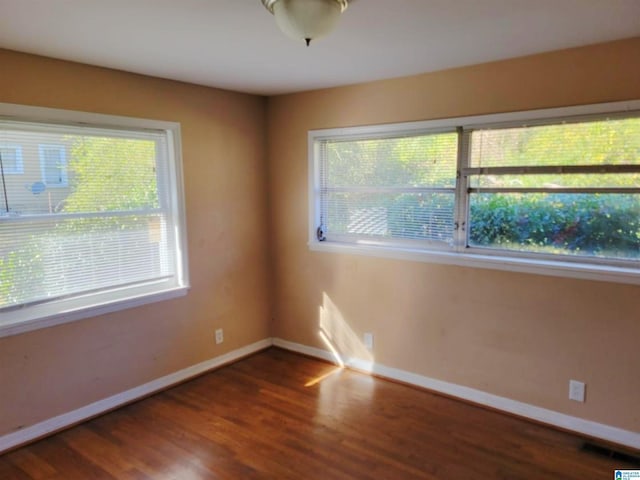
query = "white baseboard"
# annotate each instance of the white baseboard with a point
(305, 350)
(65, 420)
(567, 422)
(550, 417)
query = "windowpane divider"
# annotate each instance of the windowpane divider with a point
(541, 170)
(493, 232)
(620, 190)
(55, 217)
(388, 189)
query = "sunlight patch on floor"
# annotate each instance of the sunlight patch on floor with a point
(320, 378)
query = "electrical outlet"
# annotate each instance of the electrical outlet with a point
(367, 339)
(219, 336)
(576, 390)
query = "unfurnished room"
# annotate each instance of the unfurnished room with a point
(319, 239)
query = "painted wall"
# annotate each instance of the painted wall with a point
(520, 336)
(55, 370)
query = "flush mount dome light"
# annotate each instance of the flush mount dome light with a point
(306, 19)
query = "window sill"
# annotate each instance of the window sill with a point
(21, 323)
(603, 273)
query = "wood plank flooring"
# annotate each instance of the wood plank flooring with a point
(278, 415)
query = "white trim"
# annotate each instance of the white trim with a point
(52, 425)
(71, 315)
(620, 271)
(305, 350)
(550, 417)
(567, 422)
(20, 113)
(551, 268)
(496, 119)
(82, 305)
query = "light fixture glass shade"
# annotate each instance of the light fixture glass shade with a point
(306, 19)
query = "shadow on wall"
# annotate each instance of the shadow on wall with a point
(343, 343)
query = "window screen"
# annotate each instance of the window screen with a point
(398, 189)
(564, 189)
(94, 211)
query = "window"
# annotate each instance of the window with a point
(113, 238)
(53, 163)
(385, 191)
(550, 191)
(11, 159)
(570, 189)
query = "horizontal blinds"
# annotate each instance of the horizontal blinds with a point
(81, 210)
(389, 188)
(598, 142)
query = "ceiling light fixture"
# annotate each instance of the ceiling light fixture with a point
(306, 19)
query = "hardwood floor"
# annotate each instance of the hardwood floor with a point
(278, 415)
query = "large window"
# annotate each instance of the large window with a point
(389, 190)
(554, 191)
(94, 223)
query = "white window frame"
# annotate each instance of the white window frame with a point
(64, 180)
(36, 316)
(19, 170)
(460, 254)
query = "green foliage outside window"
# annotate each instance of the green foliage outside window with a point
(105, 175)
(589, 224)
(603, 225)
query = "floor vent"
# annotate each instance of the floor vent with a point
(614, 454)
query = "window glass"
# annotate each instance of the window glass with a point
(552, 191)
(390, 188)
(595, 213)
(93, 219)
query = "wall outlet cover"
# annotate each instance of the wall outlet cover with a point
(576, 390)
(219, 336)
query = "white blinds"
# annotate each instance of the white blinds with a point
(82, 210)
(383, 189)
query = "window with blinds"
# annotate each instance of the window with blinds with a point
(91, 217)
(561, 189)
(549, 191)
(388, 190)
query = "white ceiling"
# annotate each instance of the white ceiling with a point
(235, 44)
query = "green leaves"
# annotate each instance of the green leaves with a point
(21, 272)
(111, 174)
(602, 225)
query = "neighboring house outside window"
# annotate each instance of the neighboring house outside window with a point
(91, 215)
(553, 192)
(11, 159)
(53, 163)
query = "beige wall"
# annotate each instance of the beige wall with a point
(55, 370)
(517, 335)
(521, 336)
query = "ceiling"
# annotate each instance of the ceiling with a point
(235, 44)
